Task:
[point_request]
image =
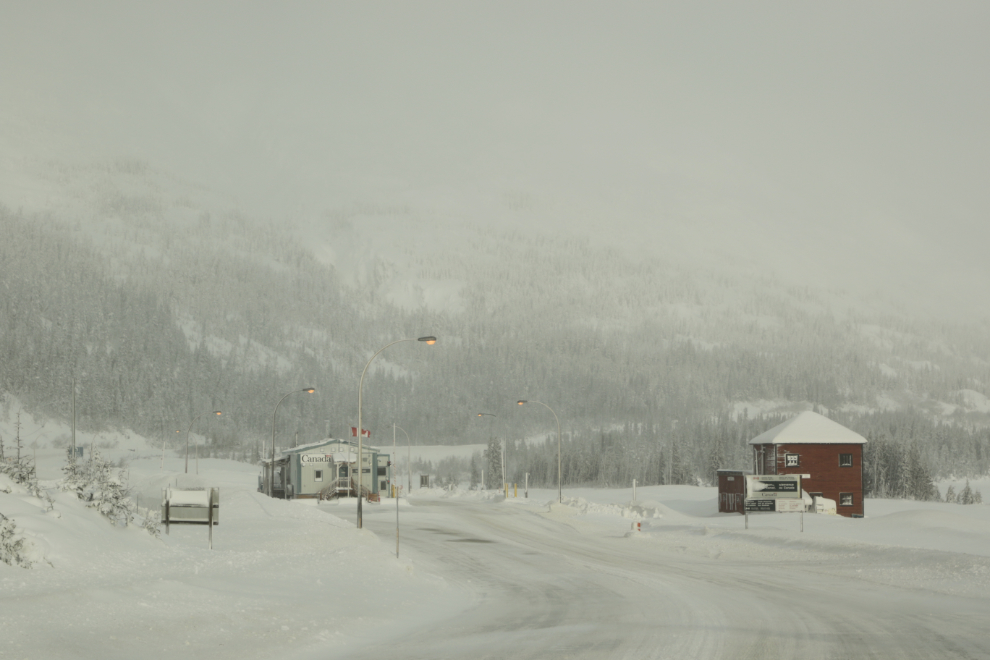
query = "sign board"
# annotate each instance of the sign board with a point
(192, 506)
(760, 505)
(789, 505)
(773, 486)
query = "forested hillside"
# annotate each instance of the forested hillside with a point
(161, 306)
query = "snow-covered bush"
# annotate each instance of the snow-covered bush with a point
(102, 486)
(153, 524)
(20, 469)
(11, 544)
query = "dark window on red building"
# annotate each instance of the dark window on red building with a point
(845, 499)
(791, 460)
(845, 460)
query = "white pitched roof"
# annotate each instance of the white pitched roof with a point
(809, 428)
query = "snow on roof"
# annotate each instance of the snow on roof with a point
(310, 445)
(809, 428)
(323, 443)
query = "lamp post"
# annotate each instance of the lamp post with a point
(214, 412)
(524, 401)
(271, 471)
(490, 434)
(163, 444)
(408, 457)
(360, 433)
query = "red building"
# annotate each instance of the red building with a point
(814, 445)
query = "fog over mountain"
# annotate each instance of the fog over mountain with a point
(589, 188)
(837, 145)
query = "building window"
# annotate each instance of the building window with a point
(318, 475)
(845, 499)
(791, 460)
(381, 471)
(845, 460)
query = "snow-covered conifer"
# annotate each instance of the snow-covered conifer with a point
(475, 477)
(966, 494)
(493, 458)
(12, 545)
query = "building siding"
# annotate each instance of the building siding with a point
(821, 461)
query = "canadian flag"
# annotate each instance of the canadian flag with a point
(365, 432)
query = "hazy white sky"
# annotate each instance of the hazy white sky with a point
(840, 140)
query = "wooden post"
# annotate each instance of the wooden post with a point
(167, 517)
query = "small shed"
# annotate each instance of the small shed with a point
(826, 452)
(732, 490)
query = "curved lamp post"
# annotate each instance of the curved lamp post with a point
(271, 470)
(163, 448)
(408, 457)
(524, 401)
(214, 412)
(360, 433)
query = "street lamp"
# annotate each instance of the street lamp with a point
(524, 401)
(215, 412)
(360, 434)
(197, 444)
(271, 470)
(408, 456)
(163, 446)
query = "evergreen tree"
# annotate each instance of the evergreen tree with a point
(950, 495)
(474, 474)
(12, 544)
(493, 459)
(966, 495)
(920, 479)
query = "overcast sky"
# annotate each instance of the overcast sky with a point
(831, 140)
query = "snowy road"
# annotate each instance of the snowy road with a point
(552, 585)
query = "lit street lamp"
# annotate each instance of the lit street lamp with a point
(360, 433)
(523, 401)
(215, 412)
(271, 472)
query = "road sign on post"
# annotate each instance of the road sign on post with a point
(774, 492)
(773, 486)
(199, 506)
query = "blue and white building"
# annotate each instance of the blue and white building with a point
(328, 469)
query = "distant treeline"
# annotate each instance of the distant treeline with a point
(158, 321)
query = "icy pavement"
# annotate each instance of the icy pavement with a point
(574, 581)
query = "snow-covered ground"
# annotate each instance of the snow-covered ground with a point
(478, 574)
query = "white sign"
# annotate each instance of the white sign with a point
(773, 486)
(790, 505)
